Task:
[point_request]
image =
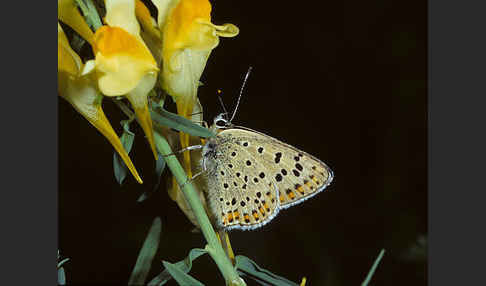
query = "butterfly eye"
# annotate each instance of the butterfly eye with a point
(220, 123)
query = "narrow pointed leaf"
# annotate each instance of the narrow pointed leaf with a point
(62, 262)
(143, 197)
(119, 167)
(180, 276)
(184, 265)
(147, 253)
(179, 123)
(90, 13)
(77, 43)
(159, 168)
(246, 267)
(61, 276)
(373, 268)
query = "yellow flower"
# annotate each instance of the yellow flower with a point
(123, 63)
(77, 84)
(67, 12)
(188, 37)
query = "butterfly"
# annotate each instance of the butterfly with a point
(251, 176)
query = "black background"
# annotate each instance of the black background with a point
(345, 82)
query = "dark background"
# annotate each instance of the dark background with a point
(343, 81)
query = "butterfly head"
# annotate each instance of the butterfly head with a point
(221, 122)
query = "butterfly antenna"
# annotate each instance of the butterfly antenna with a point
(222, 103)
(241, 92)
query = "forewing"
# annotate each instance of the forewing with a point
(296, 174)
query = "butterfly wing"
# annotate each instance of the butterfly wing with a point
(297, 174)
(276, 176)
(239, 195)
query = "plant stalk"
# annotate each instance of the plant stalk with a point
(214, 247)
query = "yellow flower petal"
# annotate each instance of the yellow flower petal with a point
(67, 59)
(138, 99)
(188, 38)
(77, 85)
(144, 17)
(225, 30)
(84, 97)
(150, 32)
(231, 254)
(121, 14)
(121, 60)
(183, 26)
(67, 12)
(163, 9)
(303, 281)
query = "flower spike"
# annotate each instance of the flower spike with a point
(188, 37)
(124, 64)
(76, 84)
(67, 12)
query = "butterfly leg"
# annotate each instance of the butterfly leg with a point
(191, 179)
(194, 147)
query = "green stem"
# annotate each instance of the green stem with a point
(214, 247)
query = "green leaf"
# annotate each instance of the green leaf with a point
(77, 42)
(90, 13)
(143, 197)
(61, 276)
(59, 264)
(146, 255)
(183, 265)
(246, 267)
(119, 167)
(159, 168)
(180, 276)
(373, 268)
(179, 123)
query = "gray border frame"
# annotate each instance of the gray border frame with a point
(456, 143)
(29, 133)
